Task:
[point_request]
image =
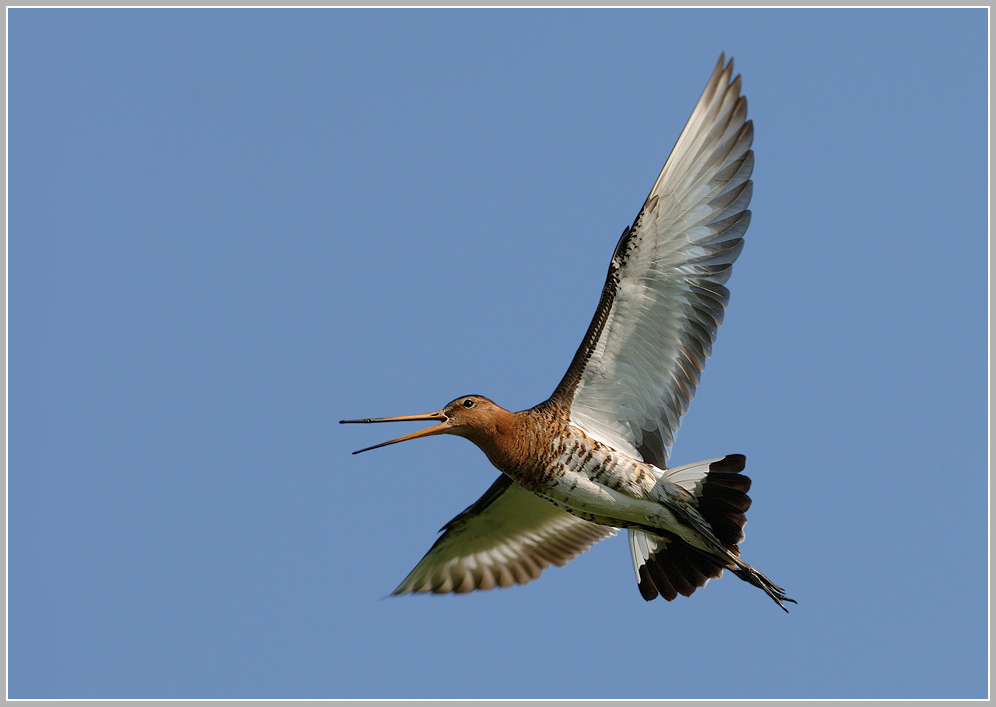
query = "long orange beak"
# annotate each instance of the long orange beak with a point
(438, 416)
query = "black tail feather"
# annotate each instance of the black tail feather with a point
(677, 568)
(723, 500)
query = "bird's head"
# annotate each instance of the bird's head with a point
(471, 416)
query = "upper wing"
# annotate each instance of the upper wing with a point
(508, 537)
(637, 368)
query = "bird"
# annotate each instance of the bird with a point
(592, 458)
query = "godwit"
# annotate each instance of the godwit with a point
(593, 457)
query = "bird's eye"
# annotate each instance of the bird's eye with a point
(468, 403)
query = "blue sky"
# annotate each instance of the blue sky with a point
(231, 229)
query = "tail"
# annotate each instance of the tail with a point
(666, 565)
(721, 492)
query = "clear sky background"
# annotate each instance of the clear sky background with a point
(231, 229)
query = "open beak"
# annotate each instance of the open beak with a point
(438, 416)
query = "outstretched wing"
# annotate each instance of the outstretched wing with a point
(508, 537)
(637, 368)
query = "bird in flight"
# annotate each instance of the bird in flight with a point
(593, 457)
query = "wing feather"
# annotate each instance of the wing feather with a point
(509, 536)
(636, 371)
